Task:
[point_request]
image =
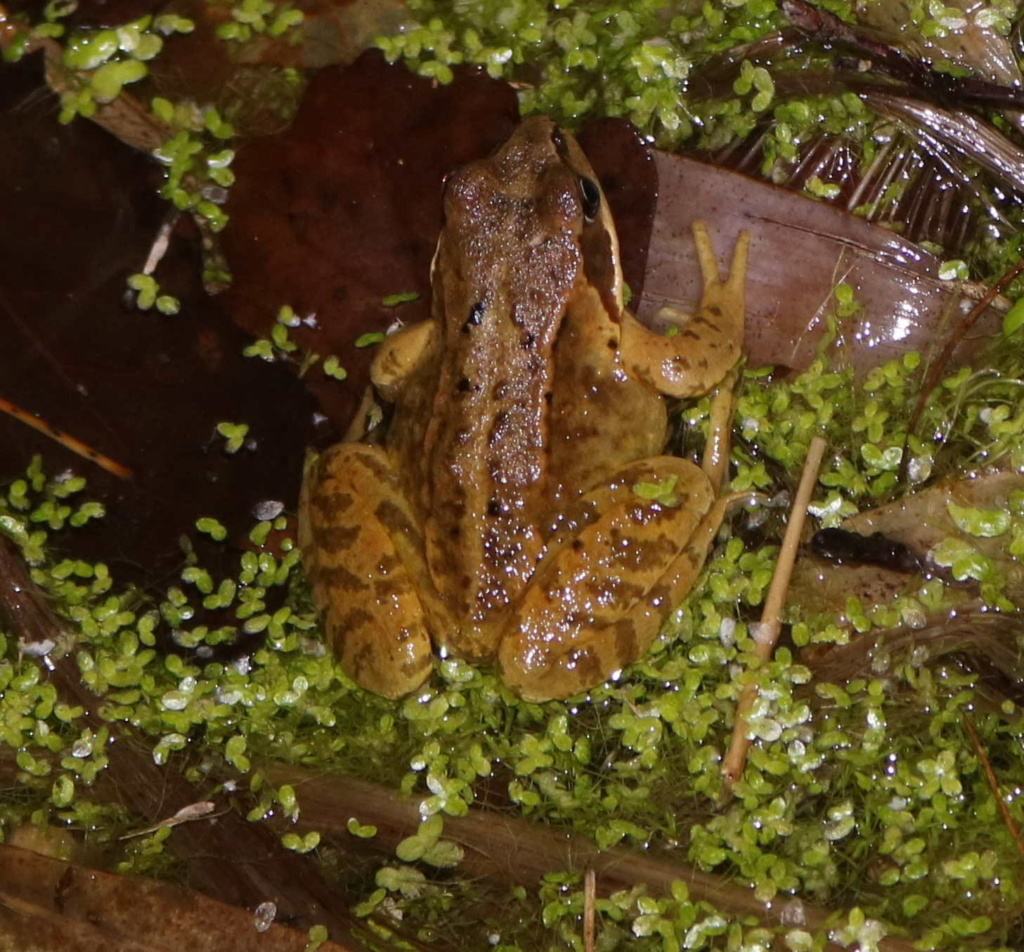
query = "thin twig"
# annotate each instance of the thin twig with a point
(187, 814)
(66, 440)
(994, 785)
(767, 632)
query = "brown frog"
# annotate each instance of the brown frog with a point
(499, 520)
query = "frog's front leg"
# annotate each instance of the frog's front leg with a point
(362, 551)
(400, 354)
(601, 594)
(707, 344)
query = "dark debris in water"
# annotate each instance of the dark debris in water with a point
(81, 212)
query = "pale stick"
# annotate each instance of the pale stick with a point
(589, 910)
(767, 632)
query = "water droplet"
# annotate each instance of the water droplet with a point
(265, 914)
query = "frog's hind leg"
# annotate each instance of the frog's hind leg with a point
(601, 594)
(363, 554)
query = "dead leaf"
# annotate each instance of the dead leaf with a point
(47, 905)
(800, 250)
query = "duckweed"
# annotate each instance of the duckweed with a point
(259, 16)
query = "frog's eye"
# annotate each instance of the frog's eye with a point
(591, 195)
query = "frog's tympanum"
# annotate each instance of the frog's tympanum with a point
(500, 521)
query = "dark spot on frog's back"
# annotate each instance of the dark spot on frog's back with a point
(493, 508)
(331, 506)
(337, 578)
(395, 519)
(625, 642)
(351, 620)
(463, 386)
(335, 538)
(476, 315)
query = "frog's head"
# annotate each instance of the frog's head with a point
(538, 187)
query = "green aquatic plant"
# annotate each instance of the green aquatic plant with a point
(849, 787)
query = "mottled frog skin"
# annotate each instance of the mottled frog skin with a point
(498, 521)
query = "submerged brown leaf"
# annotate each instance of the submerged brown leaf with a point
(985, 643)
(80, 214)
(921, 521)
(47, 905)
(800, 250)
